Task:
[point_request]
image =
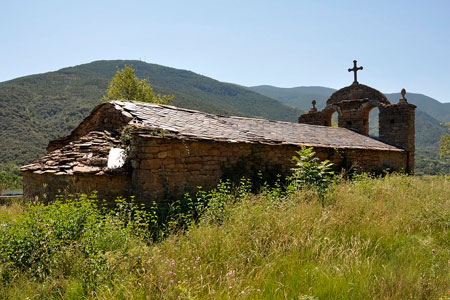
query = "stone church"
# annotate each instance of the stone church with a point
(126, 148)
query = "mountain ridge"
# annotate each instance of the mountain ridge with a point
(37, 108)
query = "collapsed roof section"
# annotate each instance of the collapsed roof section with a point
(87, 155)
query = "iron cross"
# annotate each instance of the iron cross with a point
(355, 69)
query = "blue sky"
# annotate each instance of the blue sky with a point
(282, 43)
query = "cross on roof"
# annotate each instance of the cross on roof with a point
(355, 69)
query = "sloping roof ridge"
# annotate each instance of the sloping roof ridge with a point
(123, 103)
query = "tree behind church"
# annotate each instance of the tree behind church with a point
(126, 86)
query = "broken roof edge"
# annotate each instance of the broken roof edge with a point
(86, 155)
(83, 128)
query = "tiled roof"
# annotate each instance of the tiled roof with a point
(88, 155)
(191, 124)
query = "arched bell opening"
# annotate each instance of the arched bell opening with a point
(335, 119)
(374, 119)
(331, 117)
(371, 121)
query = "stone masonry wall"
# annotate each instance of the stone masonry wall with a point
(44, 187)
(169, 167)
(103, 117)
(313, 118)
(175, 166)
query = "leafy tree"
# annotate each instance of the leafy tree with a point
(126, 86)
(445, 142)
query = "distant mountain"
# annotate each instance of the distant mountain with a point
(301, 98)
(37, 108)
(429, 114)
(439, 111)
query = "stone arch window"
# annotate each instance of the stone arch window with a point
(353, 105)
(329, 115)
(374, 121)
(371, 120)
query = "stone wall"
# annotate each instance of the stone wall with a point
(162, 166)
(313, 118)
(357, 91)
(103, 117)
(397, 125)
(44, 187)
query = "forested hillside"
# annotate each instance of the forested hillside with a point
(38, 108)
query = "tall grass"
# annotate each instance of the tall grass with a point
(384, 238)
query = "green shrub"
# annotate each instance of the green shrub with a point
(39, 240)
(207, 206)
(310, 172)
(10, 181)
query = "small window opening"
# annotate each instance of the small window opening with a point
(334, 120)
(331, 119)
(374, 122)
(392, 121)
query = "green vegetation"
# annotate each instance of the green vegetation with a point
(10, 177)
(39, 108)
(309, 171)
(369, 238)
(445, 143)
(428, 134)
(45, 236)
(299, 97)
(126, 86)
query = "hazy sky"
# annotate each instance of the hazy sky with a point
(282, 43)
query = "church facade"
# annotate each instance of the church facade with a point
(169, 150)
(353, 105)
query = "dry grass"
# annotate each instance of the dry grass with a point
(373, 239)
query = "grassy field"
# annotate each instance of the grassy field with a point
(385, 238)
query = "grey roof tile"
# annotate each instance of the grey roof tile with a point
(186, 123)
